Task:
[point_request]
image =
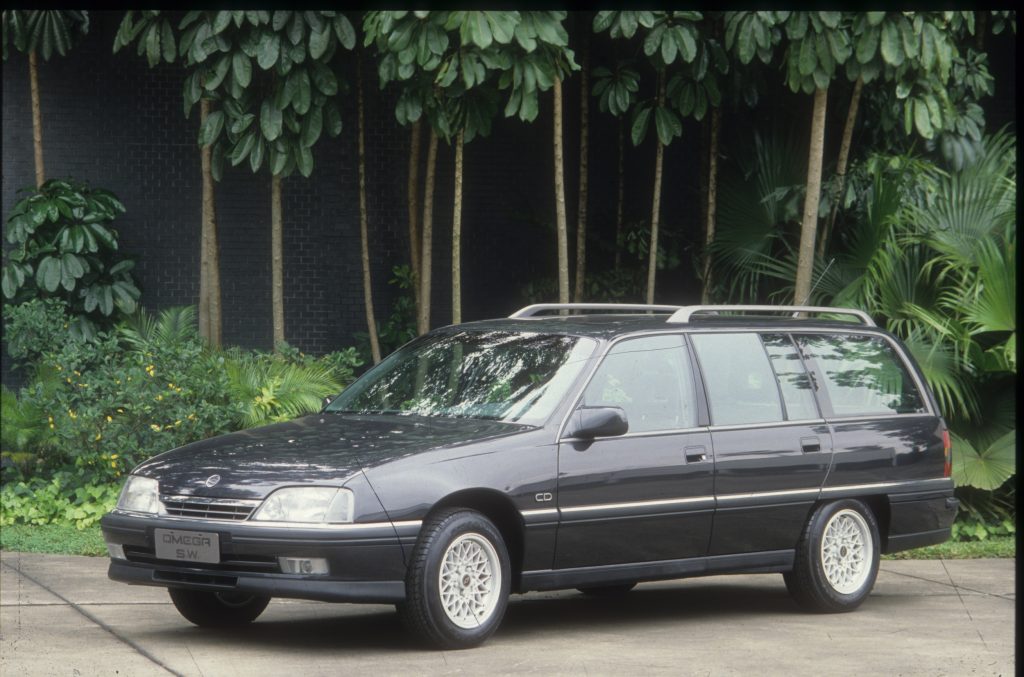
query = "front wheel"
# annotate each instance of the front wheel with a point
(218, 609)
(836, 559)
(458, 581)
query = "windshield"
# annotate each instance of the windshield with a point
(499, 375)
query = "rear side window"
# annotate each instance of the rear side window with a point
(650, 378)
(739, 380)
(863, 375)
(795, 384)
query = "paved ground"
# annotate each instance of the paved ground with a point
(62, 616)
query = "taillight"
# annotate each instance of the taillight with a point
(947, 452)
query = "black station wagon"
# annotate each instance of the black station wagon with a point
(592, 449)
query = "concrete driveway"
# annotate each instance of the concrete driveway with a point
(62, 616)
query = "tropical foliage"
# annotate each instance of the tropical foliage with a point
(66, 247)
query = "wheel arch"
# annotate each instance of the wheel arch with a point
(878, 504)
(499, 509)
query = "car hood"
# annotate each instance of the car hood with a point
(323, 448)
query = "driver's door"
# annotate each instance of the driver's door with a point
(646, 495)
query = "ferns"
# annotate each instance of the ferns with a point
(271, 389)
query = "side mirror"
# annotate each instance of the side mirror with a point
(590, 422)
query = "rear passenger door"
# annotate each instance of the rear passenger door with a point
(772, 447)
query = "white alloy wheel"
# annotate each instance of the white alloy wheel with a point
(469, 580)
(847, 551)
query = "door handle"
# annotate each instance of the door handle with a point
(695, 454)
(809, 444)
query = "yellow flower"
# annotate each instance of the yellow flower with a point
(113, 464)
(98, 437)
(120, 411)
(68, 379)
(118, 474)
(110, 418)
(76, 372)
(117, 381)
(171, 386)
(159, 397)
(178, 422)
(178, 389)
(191, 417)
(113, 456)
(72, 414)
(58, 367)
(154, 427)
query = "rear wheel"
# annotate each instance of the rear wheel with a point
(607, 590)
(458, 581)
(218, 609)
(836, 560)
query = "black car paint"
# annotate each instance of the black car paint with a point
(617, 509)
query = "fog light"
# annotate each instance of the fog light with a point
(116, 551)
(313, 566)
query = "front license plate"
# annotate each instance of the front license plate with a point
(187, 546)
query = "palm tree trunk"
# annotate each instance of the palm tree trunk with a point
(805, 260)
(712, 203)
(842, 163)
(413, 191)
(457, 235)
(560, 220)
(364, 235)
(423, 314)
(621, 194)
(277, 260)
(581, 209)
(659, 157)
(209, 270)
(37, 117)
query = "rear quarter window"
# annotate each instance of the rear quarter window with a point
(738, 378)
(863, 375)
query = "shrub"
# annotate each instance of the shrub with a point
(65, 247)
(35, 327)
(61, 499)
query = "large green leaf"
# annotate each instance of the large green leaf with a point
(987, 469)
(270, 120)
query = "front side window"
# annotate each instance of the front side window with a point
(863, 375)
(738, 379)
(650, 378)
(499, 375)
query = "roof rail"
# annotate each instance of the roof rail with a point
(685, 313)
(537, 308)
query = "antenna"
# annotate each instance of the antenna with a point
(815, 285)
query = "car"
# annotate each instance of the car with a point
(587, 446)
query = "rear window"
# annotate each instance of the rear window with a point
(863, 375)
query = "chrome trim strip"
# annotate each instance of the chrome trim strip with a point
(645, 433)
(757, 494)
(877, 417)
(882, 485)
(637, 504)
(233, 524)
(241, 502)
(774, 424)
(539, 512)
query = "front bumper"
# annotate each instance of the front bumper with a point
(365, 561)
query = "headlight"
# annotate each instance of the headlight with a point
(140, 494)
(307, 504)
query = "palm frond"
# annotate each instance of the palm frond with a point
(949, 381)
(173, 326)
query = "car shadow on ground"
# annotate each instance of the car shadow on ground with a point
(533, 615)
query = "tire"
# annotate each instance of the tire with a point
(836, 560)
(218, 609)
(458, 580)
(608, 590)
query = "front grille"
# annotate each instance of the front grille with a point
(208, 508)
